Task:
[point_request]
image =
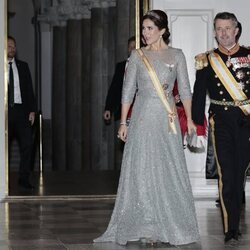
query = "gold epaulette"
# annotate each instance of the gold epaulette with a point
(201, 60)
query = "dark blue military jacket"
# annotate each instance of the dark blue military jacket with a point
(208, 81)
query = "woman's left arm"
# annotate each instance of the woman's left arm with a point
(184, 90)
(187, 107)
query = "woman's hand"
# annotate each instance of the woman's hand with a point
(191, 126)
(122, 132)
(177, 98)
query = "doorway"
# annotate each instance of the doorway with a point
(72, 55)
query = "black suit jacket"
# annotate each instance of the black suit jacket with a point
(26, 88)
(113, 99)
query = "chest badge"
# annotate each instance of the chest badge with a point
(240, 74)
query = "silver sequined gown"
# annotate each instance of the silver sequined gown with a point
(154, 198)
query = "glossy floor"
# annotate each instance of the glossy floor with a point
(74, 223)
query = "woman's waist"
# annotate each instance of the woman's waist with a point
(148, 100)
(153, 94)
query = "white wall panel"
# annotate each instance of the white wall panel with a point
(240, 8)
(192, 31)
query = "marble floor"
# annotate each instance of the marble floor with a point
(67, 223)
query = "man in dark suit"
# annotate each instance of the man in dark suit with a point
(113, 99)
(21, 110)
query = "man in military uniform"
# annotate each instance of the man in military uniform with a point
(225, 74)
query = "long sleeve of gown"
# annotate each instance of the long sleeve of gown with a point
(182, 77)
(129, 85)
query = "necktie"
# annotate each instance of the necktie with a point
(11, 85)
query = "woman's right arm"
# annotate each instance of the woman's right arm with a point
(128, 93)
(123, 129)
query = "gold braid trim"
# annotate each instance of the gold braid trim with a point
(201, 60)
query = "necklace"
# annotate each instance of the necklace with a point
(229, 52)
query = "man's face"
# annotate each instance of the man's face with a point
(11, 49)
(225, 32)
(131, 46)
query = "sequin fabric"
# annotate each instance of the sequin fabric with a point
(154, 198)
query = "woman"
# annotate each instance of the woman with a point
(154, 200)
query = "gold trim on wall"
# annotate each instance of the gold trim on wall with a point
(137, 24)
(6, 101)
(145, 8)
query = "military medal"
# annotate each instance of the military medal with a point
(241, 85)
(240, 74)
(229, 52)
(228, 62)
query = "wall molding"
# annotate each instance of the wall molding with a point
(60, 11)
(206, 16)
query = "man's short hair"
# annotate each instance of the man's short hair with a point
(12, 38)
(226, 16)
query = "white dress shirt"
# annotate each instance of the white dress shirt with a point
(17, 92)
